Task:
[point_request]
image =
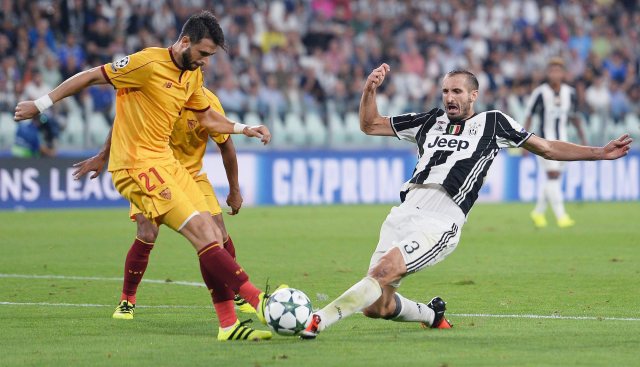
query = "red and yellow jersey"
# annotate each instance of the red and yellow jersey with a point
(151, 91)
(189, 139)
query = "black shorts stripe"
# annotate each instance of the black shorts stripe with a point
(434, 251)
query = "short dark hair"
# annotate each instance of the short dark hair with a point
(556, 61)
(471, 78)
(204, 25)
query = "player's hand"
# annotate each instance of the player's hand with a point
(234, 200)
(376, 77)
(617, 148)
(260, 131)
(25, 110)
(94, 164)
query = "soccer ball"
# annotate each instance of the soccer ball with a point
(288, 311)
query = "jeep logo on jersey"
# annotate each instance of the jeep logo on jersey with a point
(441, 142)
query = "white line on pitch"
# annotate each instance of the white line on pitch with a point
(196, 284)
(49, 304)
(552, 317)
(71, 277)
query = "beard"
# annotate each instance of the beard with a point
(187, 61)
(463, 112)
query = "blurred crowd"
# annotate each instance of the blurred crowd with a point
(312, 56)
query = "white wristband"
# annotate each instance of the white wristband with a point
(43, 103)
(238, 128)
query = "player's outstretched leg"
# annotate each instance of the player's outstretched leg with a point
(390, 268)
(394, 307)
(135, 265)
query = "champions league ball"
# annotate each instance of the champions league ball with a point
(288, 311)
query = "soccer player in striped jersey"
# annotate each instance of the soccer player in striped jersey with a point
(153, 86)
(455, 149)
(556, 104)
(189, 143)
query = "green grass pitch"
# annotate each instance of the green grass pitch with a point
(502, 266)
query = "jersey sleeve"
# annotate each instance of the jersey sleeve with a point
(535, 104)
(198, 101)
(573, 111)
(131, 71)
(406, 126)
(509, 133)
(217, 106)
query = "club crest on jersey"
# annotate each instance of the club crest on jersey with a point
(191, 124)
(454, 129)
(441, 142)
(120, 63)
(166, 194)
(473, 130)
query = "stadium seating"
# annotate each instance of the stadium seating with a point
(295, 128)
(72, 137)
(336, 129)
(316, 131)
(98, 128)
(7, 130)
(632, 125)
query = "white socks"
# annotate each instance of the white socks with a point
(359, 296)
(412, 311)
(554, 195)
(551, 193)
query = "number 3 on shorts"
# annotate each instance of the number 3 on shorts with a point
(147, 181)
(411, 247)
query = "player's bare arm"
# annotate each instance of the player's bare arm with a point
(371, 123)
(217, 123)
(230, 162)
(527, 126)
(564, 151)
(96, 163)
(29, 109)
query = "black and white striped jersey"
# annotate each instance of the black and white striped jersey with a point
(456, 155)
(553, 110)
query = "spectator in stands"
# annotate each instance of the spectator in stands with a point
(616, 67)
(35, 87)
(271, 101)
(99, 40)
(29, 143)
(43, 32)
(71, 56)
(50, 70)
(319, 49)
(620, 104)
(101, 98)
(231, 96)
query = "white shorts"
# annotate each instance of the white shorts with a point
(548, 165)
(423, 237)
